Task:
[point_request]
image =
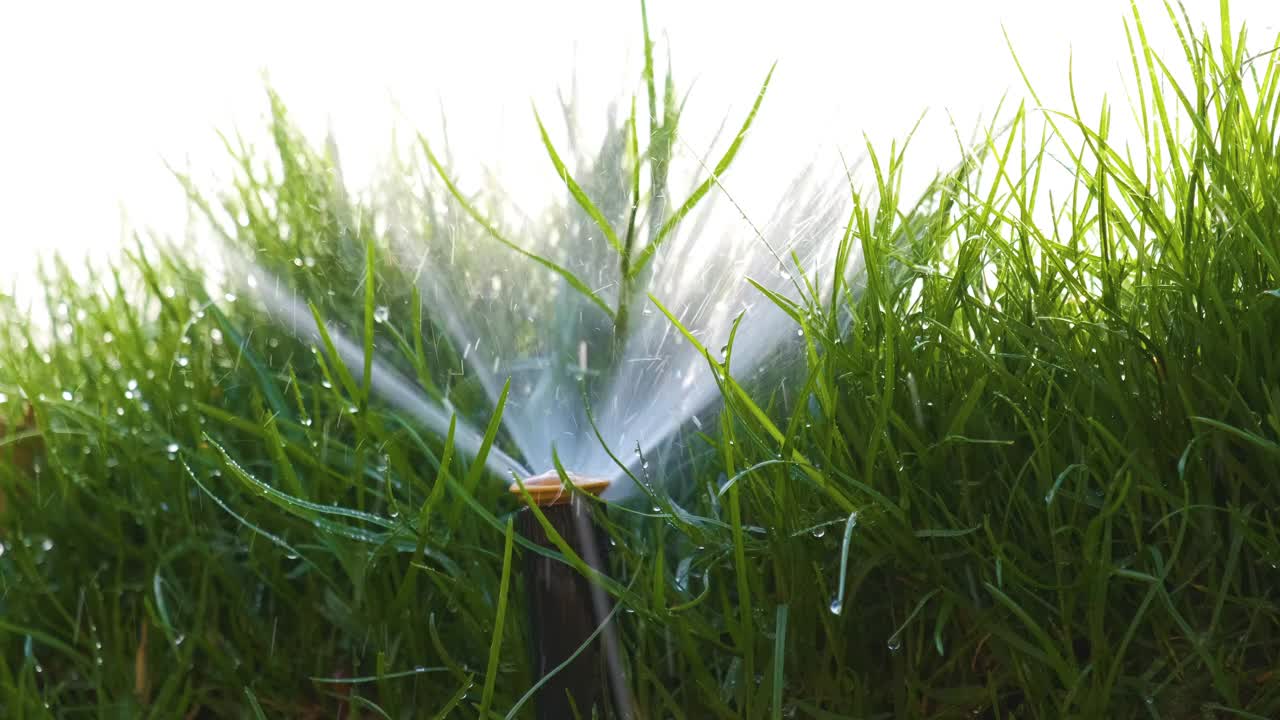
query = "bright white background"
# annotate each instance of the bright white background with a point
(96, 97)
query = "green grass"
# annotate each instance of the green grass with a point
(1033, 474)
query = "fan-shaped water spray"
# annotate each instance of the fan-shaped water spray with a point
(598, 320)
(591, 348)
(597, 389)
(602, 399)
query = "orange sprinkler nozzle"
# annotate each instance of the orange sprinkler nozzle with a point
(547, 490)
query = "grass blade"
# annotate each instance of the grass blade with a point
(499, 625)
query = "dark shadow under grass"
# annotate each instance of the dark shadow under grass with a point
(1031, 472)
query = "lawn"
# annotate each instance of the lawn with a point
(1019, 460)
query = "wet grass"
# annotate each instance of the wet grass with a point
(1027, 470)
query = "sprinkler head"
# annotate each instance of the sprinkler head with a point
(547, 490)
(564, 608)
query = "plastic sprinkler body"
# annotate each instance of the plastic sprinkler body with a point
(564, 607)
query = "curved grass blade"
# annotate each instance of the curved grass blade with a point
(499, 623)
(576, 190)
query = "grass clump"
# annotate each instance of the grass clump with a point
(1029, 474)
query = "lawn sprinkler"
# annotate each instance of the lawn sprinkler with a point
(565, 608)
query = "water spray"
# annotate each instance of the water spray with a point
(575, 659)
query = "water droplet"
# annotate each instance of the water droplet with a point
(171, 448)
(895, 643)
(229, 297)
(184, 361)
(326, 384)
(837, 606)
(800, 332)
(306, 422)
(820, 531)
(68, 396)
(132, 384)
(46, 544)
(381, 313)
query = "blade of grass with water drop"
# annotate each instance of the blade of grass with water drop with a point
(339, 363)
(1245, 435)
(304, 509)
(837, 605)
(447, 709)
